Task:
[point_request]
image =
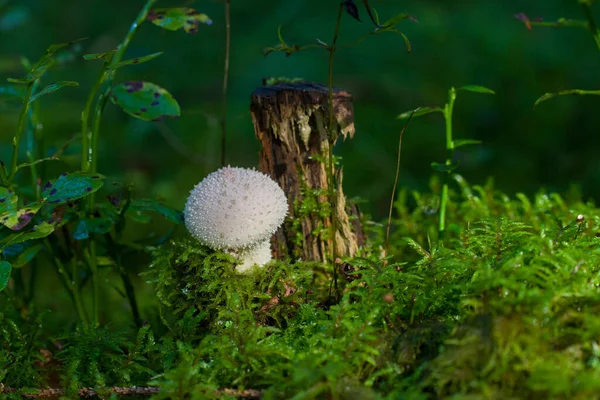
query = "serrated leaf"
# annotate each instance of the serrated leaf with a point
(465, 142)
(144, 100)
(137, 60)
(53, 87)
(476, 89)
(37, 232)
(439, 167)
(580, 92)
(419, 112)
(177, 18)
(138, 211)
(72, 186)
(5, 271)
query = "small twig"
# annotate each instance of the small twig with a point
(123, 391)
(389, 222)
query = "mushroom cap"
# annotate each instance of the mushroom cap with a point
(235, 208)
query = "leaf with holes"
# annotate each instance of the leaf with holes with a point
(5, 271)
(145, 100)
(177, 18)
(72, 186)
(138, 210)
(53, 87)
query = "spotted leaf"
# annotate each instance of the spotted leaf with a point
(5, 271)
(145, 100)
(72, 186)
(177, 18)
(13, 217)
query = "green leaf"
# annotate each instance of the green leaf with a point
(94, 225)
(37, 232)
(419, 112)
(580, 92)
(392, 22)
(10, 215)
(138, 211)
(53, 87)
(439, 167)
(465, 142)
(27, 255)
(97, 56)
(137, 60)
(72, 186)
(476, 89)
(144, 100)
(177, 18)
(44, 63)
(5, 271)
(41, 160)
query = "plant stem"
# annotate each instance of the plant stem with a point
(20, 129)
(448, 108)
(593, 28)
(331, 137)
(68, 284)
(225, 80)
(389, 222)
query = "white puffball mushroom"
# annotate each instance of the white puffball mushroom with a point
(259, 254)
(236, 210)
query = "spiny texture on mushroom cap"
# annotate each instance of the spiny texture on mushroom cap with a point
(235, 208)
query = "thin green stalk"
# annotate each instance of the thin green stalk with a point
(593, 28)
(127, 283)
(90, 257)
(330, 164)
(85, 134)
(225, 80)
(68, 284)
(448, 108)
(20, 129)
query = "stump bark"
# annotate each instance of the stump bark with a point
(291, 121)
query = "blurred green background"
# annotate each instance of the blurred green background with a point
(453, 43)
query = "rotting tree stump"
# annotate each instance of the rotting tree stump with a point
(291, 121)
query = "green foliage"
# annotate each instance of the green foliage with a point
(145, 101)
